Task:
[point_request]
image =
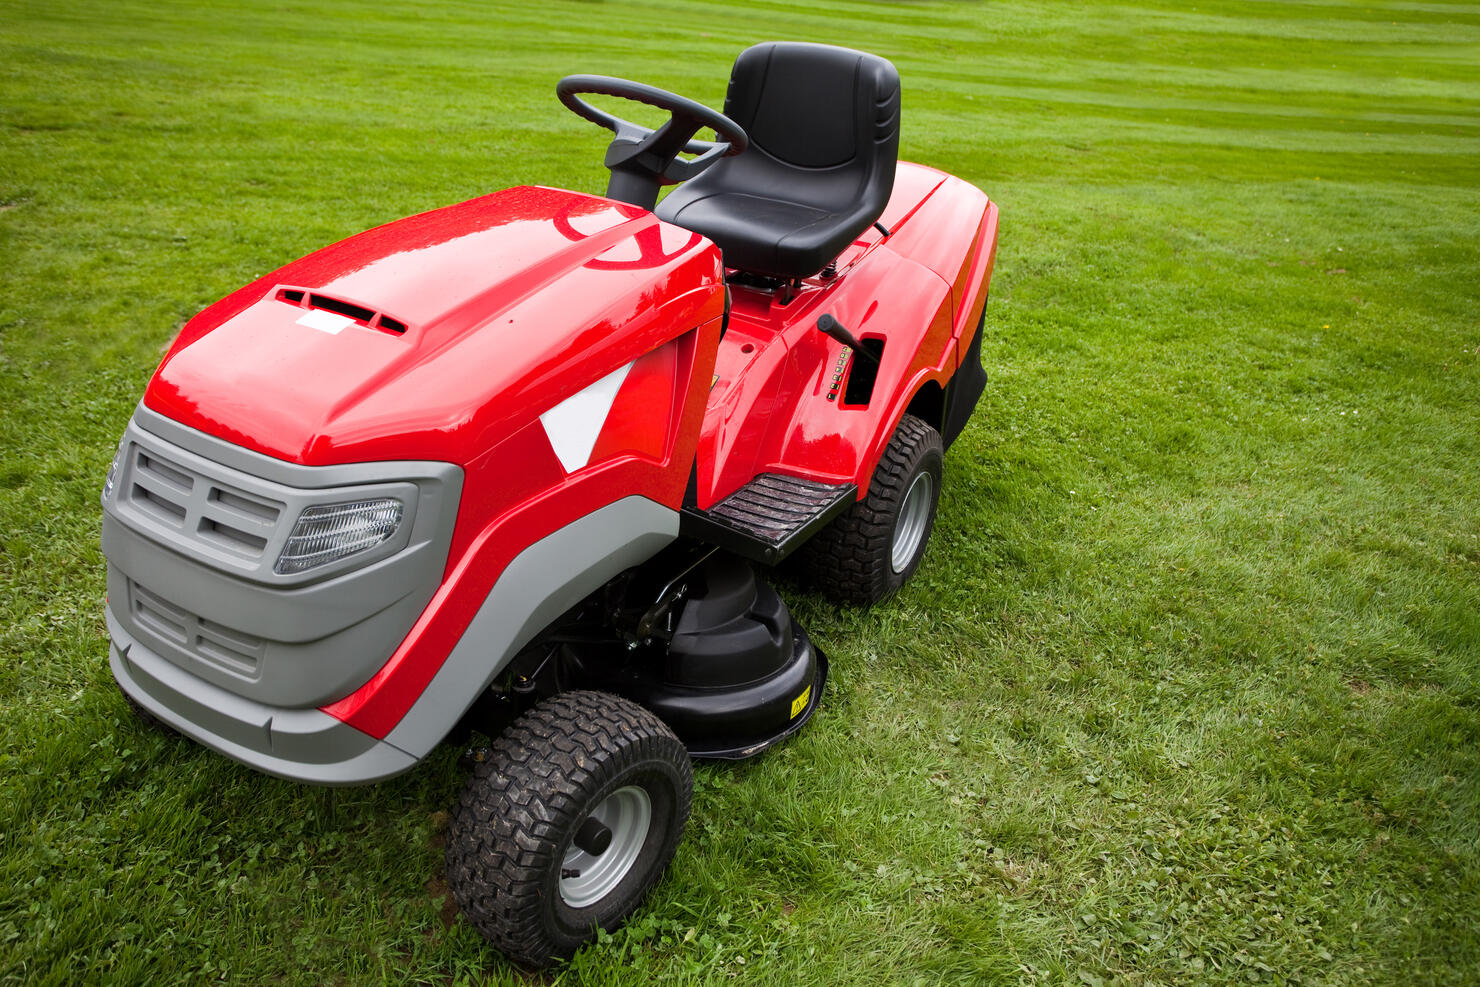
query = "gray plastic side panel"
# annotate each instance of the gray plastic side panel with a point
(543, 582)
(298, 744)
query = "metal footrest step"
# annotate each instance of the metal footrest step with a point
(769, 518)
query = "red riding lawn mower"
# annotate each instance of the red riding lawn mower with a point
(510, 464)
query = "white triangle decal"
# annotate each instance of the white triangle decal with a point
(574, 423)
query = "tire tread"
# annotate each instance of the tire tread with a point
(849, 560)
(533, 784)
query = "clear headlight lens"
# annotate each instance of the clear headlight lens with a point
(112, 476)
(332, 531)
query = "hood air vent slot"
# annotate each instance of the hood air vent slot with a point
(360, 313)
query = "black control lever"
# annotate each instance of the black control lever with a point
(833, 329)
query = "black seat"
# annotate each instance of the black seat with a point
(824, 137)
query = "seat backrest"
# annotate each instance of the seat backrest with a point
(818, 108)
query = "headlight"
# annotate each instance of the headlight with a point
(332, 531)
(112, 476)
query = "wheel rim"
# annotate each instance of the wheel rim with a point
(909, 533)
(628, 813)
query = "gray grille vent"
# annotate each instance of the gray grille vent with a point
(203, 639)
(201, 508)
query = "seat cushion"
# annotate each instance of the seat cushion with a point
(764, 235)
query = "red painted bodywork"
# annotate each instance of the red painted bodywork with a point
(517, 300)
(920, 290)
(512, 305)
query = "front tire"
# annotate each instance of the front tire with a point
(566, 823)
(869, 551)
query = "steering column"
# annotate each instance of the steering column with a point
(643, 160)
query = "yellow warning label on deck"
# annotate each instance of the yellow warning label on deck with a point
(800, 702)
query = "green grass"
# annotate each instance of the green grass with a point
(1188, 688)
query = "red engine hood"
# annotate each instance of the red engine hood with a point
(512, 302)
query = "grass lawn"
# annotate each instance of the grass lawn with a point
(1188, 687)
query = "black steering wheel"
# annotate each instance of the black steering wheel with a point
(642, 159)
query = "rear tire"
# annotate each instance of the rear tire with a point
(868, 552)
(527, 864)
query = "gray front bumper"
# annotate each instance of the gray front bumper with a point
(192, 527)
(209, 639)
(298, 744)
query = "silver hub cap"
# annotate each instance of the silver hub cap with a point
(628, 813)
(913, 516)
